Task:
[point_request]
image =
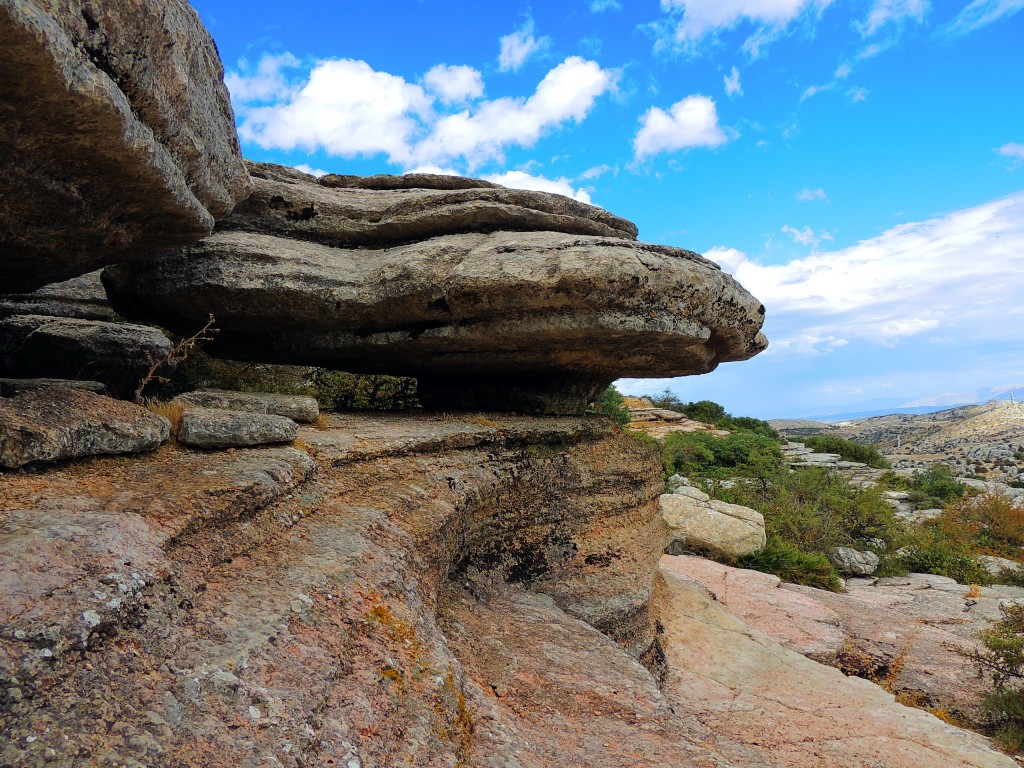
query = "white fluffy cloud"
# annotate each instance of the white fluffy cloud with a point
(346, 108)
(980, 13)
(733, 87)
(886, 12)
(566, 94)
(523, 180)
(264, 82)
(958, 275)
(690, 21)
(518, 46)
(454, 85)
(689, 123)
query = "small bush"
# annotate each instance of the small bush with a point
(931, 549)
(988, 523)
(935, 487)
(786, 561)
(701, 453)
(611, 403)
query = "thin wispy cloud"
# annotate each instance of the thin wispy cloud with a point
(885, 13)
(733, 87)
(598, 6)
(689, 22)
(807, 194)
(518, 46)
(981, 13)
(1014, 151)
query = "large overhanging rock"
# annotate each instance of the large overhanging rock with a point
(529, 321)
(116, 131)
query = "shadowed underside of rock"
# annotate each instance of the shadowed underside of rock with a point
(532, 321)
(116, 131)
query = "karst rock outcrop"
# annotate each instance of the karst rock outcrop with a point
(117, 135)
(490, 298)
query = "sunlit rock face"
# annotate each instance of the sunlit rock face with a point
(117, 135)
(378, 279)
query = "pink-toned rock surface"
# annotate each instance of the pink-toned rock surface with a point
(796, 620)
(757, 695)
(919, 620)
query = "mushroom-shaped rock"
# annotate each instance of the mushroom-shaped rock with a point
(484, 317)
(116, 131)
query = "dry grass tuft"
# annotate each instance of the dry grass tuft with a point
(172, 410)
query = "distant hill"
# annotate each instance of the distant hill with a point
(985, 440)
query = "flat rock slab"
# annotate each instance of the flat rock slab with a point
(53, 424)
(10, 387)
(378, 211)
(117, 133)
(219, 428)
(299, 408)
(83, 297)
(117, 354)
(922, 619)
(763, 699)
(530, 321)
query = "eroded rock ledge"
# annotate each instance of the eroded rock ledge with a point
(239, 607)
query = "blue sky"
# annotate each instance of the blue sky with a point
(859, 166)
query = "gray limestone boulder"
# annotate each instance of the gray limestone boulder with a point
(296, 407)
(117, 135)
(853, 562)
(527, 321)
(117, 354)
(218, 428)
(699, 524)
(56, 423)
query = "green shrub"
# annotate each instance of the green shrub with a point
(610, 403)
(935, 487)
(701, 453)
(932, 549)
(817, 510)
(988, 523)
(1003, 658)
(786, 561)
(848, 450)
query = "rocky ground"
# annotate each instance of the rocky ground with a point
(399, 590)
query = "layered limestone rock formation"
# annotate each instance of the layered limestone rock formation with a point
(483, 317)
(116, 131)
(699, 524)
